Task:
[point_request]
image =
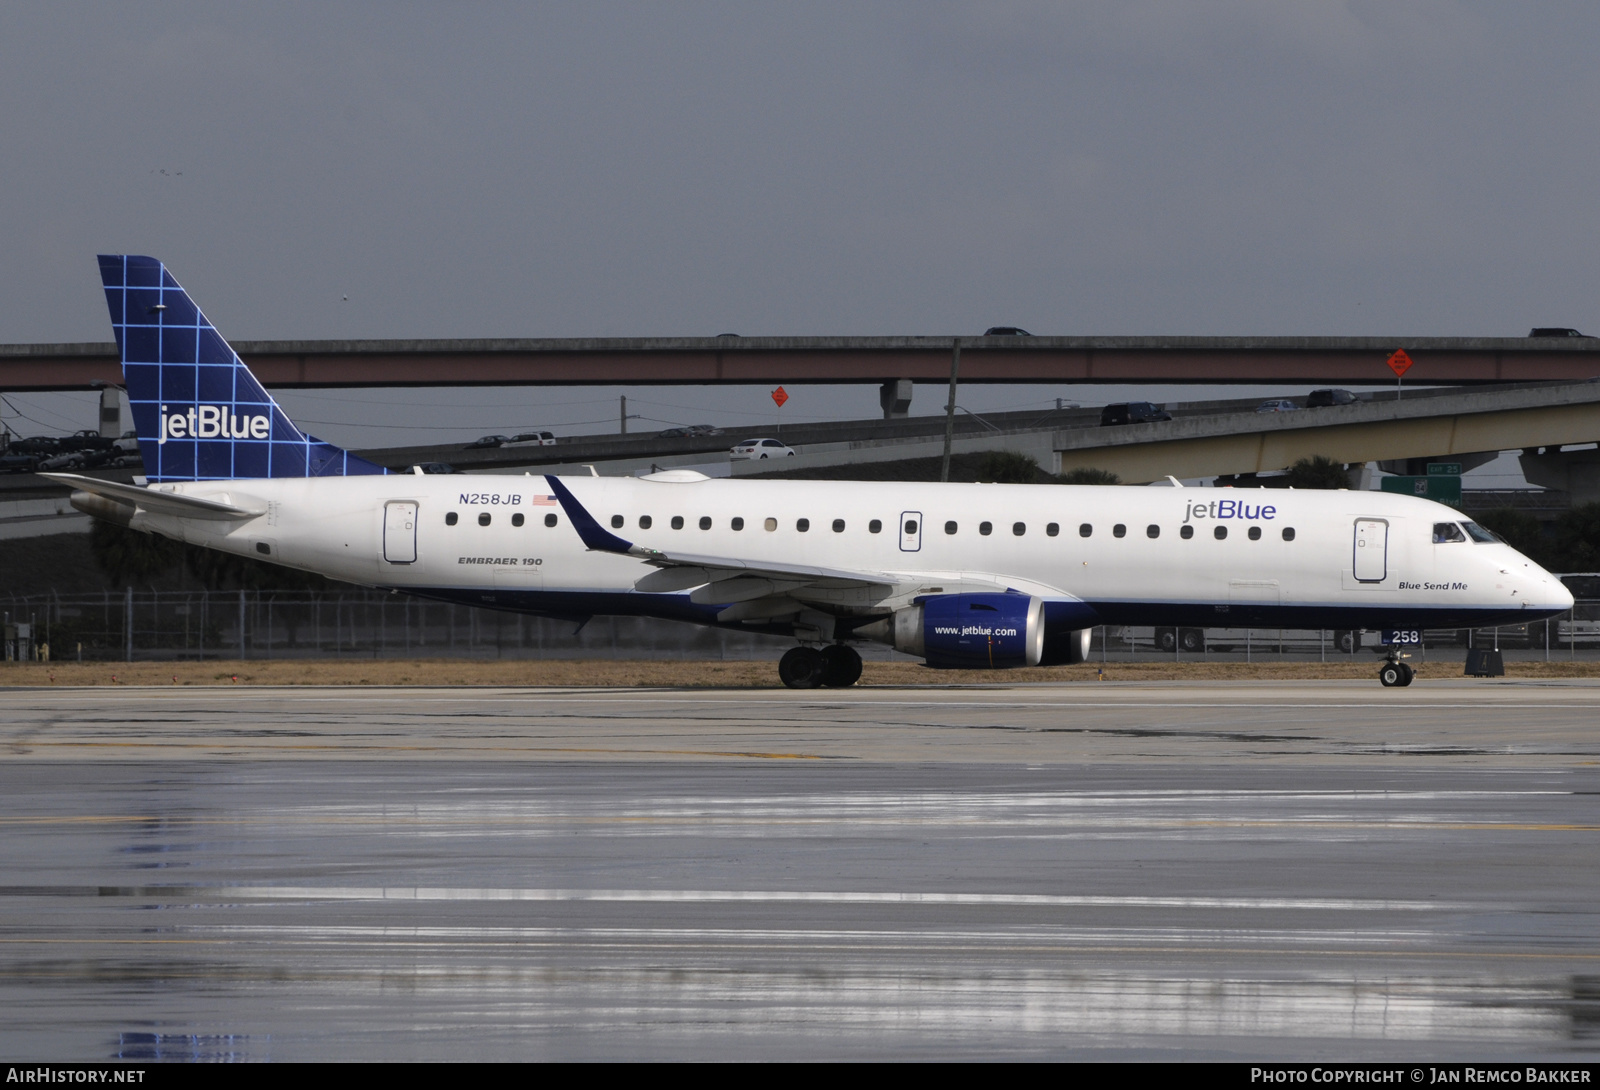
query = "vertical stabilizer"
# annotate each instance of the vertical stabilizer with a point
(199, 412)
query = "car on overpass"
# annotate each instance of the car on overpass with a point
(1132, 412)
(756, 449)
(532, 439)
(1322, 399)
(487, 442)
(1277, 405)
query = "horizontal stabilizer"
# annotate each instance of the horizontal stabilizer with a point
(175, 504)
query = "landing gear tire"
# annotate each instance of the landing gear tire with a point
(1191, 639)
(801, 668)
(1166, 638)
(1395, 675)
(841, 666)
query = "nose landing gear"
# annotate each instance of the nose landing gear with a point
(835, 666)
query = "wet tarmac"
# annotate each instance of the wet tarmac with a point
(1260, 871)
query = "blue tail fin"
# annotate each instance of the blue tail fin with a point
(199, 412)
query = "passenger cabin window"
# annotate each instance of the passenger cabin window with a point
(985, 528)
(677, 522)
(451, 518)
(875, 526)
(1445, 532)
(1152, 530)
(737, 524)
(1052, 529)
(1186, 533)
(1019, 528)
(617, 521)
(950, 527)
(705, 522)
(1288, 533)
(1255, 533)
(911, 526)
(483, 519)
(1119, 530)
(1220, 532)
(644, 522)
(838, 526)
(770, 525)
(516, 519)
(802, 525)
(550, 520)
(1085, 530)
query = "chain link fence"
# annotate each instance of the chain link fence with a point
(169, 625)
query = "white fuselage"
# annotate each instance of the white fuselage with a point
(930, 537)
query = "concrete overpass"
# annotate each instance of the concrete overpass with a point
(1219, 439)
(885, 361)
(1445, 423)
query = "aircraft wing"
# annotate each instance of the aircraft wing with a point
(174, 504)
(726, 579)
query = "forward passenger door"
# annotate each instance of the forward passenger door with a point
(1371, 560)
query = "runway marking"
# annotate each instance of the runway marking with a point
(687, 896)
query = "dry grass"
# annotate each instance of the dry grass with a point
(724, 675)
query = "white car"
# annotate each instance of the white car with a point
(1278, 406)
(753, 449)
(532, 439)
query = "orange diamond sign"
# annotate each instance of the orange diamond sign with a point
(779, 396)
(1399, 362)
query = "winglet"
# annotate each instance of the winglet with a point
(593, 534)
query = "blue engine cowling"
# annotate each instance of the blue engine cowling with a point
(973, 630)
(989, 631)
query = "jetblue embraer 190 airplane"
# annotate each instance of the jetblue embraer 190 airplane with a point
(961, 575)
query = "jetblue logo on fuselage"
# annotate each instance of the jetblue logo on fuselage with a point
(1228, 509)
(212, 422)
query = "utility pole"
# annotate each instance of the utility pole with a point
(950, 409)
(624, 414)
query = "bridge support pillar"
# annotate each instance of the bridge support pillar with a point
(1576, 472)
(895, 397)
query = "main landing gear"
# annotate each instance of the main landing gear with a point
(835, 666)
(1394, 674)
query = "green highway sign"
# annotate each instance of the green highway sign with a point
(1438, 488)
(1444, 469)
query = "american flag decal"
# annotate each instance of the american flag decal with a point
(543, 501)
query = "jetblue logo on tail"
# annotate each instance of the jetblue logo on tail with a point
(199, 413)
(212, 422)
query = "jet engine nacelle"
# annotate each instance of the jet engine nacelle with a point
(987, 631)
(968, 631)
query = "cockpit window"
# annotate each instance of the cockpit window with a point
(1478, 533)
(1447, 531)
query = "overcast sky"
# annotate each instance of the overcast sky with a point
(441, 170)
